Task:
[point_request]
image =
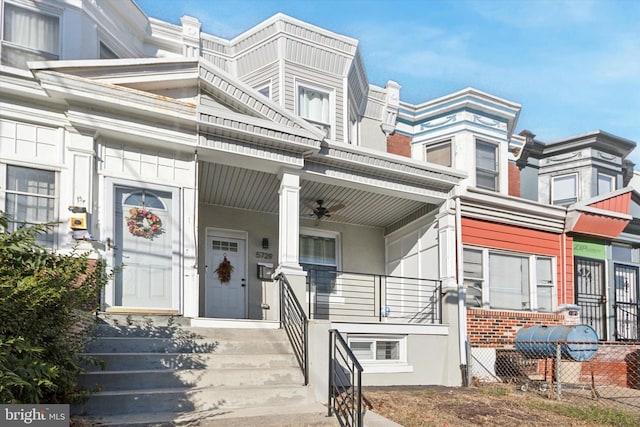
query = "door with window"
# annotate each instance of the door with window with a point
(591, 294)
(226, 281)
(142, 247)
(627, 305)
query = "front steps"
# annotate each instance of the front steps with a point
(159, 372)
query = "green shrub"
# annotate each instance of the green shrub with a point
(44, 298)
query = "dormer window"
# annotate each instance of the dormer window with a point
(486, 165)
(606, 183)
(265, 90)
(439, 154)
(106, 53)
(564, 189)
(314, 105)
(29, 35)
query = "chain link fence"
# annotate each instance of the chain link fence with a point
(606, 373)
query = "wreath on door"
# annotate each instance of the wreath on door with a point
(144, 223)
(224, 270)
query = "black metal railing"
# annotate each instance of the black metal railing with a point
(627, 321)
(295, 323)
(338, 295)
(345, 382)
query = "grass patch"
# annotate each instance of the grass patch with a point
(606, 416)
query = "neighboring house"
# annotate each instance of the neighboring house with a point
(179, 154)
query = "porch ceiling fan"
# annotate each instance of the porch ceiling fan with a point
(320, 211)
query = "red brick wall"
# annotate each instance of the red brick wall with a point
(514, 180)
(497, 329)
(614, 364)
(399, 144)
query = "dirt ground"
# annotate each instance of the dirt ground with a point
(495, 406)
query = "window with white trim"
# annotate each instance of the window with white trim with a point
(486, 165)
(439, 153)
(29, 35)
(606, 183)
(319, 258)
(264, 90)
(30, 198)
(503, 280)
(314, 105)
(564, 189)
(106, 52)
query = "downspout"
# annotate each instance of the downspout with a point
(462, 293)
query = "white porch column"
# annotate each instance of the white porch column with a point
(289, 224)
(453, 307)
(289, 234)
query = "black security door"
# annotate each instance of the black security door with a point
(591, 294)
(626, 303)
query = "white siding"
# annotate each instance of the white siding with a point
(126, 161)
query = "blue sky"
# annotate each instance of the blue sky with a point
(573, 65)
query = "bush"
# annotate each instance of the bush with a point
(44, 298)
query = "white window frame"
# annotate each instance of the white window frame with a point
(45, 10)
(383, 366)
(262, 87)
(565, 201)
(336, 296)
(484, 285)
(55, 197)
(438, 144)
(495, 172)
(102, 44)
(306, 85)
(611, 179)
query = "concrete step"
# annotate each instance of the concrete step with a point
(186, 332)
(199, 378)
(309, 415)
(185, 399)
(125, 319)
(191, 345)
(146, 361)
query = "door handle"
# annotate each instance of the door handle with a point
(110, 245)
(243, 283)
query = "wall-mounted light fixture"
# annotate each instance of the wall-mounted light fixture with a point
(265, 243)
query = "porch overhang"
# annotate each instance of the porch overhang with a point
(605, 216)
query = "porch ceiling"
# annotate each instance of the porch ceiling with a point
(258, 191)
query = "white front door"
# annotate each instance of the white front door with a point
(143, 249)
(226, 283)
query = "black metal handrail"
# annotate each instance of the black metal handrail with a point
(294, 321)
(628, 317)
(373, 297)
(345, 382)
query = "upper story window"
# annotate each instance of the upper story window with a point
(486, 165)
(264, 90)
(508, 281)
(314, 105)
(606, 183)
(564, 189)
(106, 53)
(30, 198)
(29, 35)
(439, 154)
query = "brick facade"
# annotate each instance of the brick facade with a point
(514, 180)
(497, 329)
(399, 144)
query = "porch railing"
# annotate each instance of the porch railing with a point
(338, 295)
(294, 321)
(627, 321)
(345, 382)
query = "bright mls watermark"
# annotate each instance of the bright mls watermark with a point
(34, 415)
